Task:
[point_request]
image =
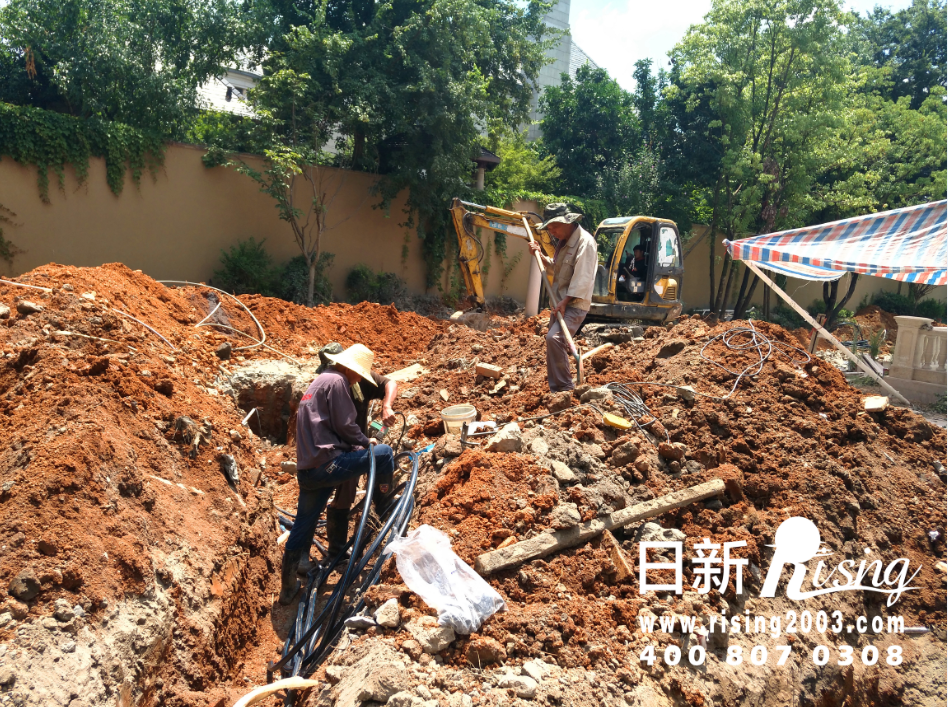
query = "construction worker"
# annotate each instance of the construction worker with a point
(573, 266)
(331, 450)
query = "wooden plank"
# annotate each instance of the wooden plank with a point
(598, 349)
(825, 334)
(543, 545)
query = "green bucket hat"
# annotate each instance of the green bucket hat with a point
(558, 213)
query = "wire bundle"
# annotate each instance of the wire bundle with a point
(634, 407)
(756, 341)
(313, 633)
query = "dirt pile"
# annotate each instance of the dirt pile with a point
(144, 578)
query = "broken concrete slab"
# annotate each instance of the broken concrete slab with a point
(616, 555)
(543, 545)
(625, 453)
(432, 637)
(875, 403)
(404, 375)
(388, 614)
(561, 472)
(507, 439)
(488, 370)
(565, 515)
(523, 685)
(595, 395)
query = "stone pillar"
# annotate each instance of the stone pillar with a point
(903, 358)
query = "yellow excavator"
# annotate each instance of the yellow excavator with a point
(640, 269)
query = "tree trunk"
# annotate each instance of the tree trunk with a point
(727, 290)
(716, 297)
(740, 308)
(766, 314)
(714, 225)
(739, 302)
(831, 313)
(310, 279)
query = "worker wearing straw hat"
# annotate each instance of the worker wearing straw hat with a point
(330, 450)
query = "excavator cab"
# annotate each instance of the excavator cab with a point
(638, 275)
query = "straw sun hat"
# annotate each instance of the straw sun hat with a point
(356, 358)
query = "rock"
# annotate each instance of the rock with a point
(507, 439)
(686, 393)
(25, 585)
(224, 351)
(7, 676)
(383, 682)
(235, 436)
(4, 312)
(334, 673)
(229, 467)
(617, 336)
(621, 563)
(674, 451)
(47, 547)
(388, 615)
(539, 447)
(448, 446)
(63, 611)
(165, 386)
(560, 401)
(484, 651)
(580, 390)
(565, 515)
(605, 496)
(625, 453)
(653, 532)
(5, 618)
(714, 504)
(432, 637)
(18, 609)
(360, 622)
(538, 670)
(547, 485)
(288, 468)
(594, 394)
(523, 685)
(693, 467)
(412, 648)
(672, 348)
(68, 647)
(562, 473)
(489, 371)
(18, 539)
(26, 307)
(459, 699)
(645, 696)
(403, 699)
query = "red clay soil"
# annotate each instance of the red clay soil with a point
(90, 422)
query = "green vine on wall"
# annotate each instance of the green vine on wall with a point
(52, 140)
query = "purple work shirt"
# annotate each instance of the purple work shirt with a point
(326, 421)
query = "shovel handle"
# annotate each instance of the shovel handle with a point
(574, 352)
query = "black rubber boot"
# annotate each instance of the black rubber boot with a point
(290, 585)
(383, 496)
(337, 530)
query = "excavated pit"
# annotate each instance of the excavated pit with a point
(132, 574)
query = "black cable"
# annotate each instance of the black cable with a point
(634, 407)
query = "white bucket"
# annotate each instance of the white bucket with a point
(456, 415)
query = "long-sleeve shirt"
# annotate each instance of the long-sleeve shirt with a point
(574, 269)
(326, 421)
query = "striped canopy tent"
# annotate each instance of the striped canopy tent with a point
(910, 245)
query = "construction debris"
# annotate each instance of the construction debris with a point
(543, 545)
(875, 403)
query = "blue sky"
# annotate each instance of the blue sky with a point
(617, 33)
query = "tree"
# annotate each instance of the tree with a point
(589, 124)
(138, 63)
(522, 168)
(907, 48)
(771, 72)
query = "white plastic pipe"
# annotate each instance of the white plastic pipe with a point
(533, 290)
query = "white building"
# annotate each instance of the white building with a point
(228, 93)
(567, 58)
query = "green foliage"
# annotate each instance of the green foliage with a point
(523, 169)
(632, 187)
(135, 63)
(293, 280)
(931, 308)
(52, 140)
(8, 251)
(876, 339)
(247, 269)
(224, 133)
(365, 285)
(589, 124)
(788, 318)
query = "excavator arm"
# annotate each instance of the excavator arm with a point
(467, 217)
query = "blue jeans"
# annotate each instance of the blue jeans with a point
(317, 485)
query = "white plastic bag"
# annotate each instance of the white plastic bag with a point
(430, 568)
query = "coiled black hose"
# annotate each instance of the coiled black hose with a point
(312, 636)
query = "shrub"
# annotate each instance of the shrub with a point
(292, 286)
(817, 307)
(787, 318)
(365, 285)
(894, 303)
(247, 270)
(931, 308)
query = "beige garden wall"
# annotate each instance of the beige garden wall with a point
(175, 226)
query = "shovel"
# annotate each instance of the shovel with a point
(574, 352)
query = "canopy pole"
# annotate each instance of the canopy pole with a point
(825, 334)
